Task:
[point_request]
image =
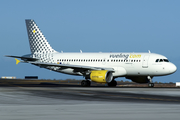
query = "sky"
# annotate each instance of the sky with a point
(90, 26)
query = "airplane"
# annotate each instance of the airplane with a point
(97, 67)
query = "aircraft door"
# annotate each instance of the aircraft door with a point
(145, 61)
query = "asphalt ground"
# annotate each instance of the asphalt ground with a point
(48, 100)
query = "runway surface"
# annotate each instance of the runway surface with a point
(68, 102)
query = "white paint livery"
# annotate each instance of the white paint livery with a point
(139, 67)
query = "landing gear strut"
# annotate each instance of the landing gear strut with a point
(113, 83)
(150, 84)
(86, 83)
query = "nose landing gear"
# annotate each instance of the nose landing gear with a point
(150, 84)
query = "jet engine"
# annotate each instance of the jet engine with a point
(101, 76)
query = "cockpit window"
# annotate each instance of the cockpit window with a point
(162, 60)
(166, 60)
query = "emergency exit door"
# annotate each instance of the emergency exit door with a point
(145, 61)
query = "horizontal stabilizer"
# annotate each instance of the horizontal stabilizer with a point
(24, 58)
(17, 61)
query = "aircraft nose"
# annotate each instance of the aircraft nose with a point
(172, 68)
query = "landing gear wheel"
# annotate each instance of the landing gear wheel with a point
(85, 83)
(113, 83)
(89, 83)
(151, 84)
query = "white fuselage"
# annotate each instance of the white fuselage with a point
(123, 64)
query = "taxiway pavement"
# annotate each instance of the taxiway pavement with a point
(88, 103)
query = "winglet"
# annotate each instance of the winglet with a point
(17, 61)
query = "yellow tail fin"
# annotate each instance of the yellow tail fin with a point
(17, 61)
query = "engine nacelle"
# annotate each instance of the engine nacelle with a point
(101, 76)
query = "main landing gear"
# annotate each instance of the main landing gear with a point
(86, 83)
(150, 84)
(113, 83)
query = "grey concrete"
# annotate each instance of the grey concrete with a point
(151, 91)
(56, 103)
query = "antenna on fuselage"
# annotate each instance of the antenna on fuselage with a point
(149, 51)
(80, 51)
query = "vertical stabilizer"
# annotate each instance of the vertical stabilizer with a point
(37, 41)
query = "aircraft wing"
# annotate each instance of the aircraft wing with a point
(65, 66)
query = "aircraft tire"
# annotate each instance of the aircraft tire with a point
(88, 83)
(113, 83)
(85, 83)
(151, 84)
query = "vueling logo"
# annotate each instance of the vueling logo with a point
(134, 56)
(125, 56)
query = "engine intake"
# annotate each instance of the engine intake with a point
(101, 76)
